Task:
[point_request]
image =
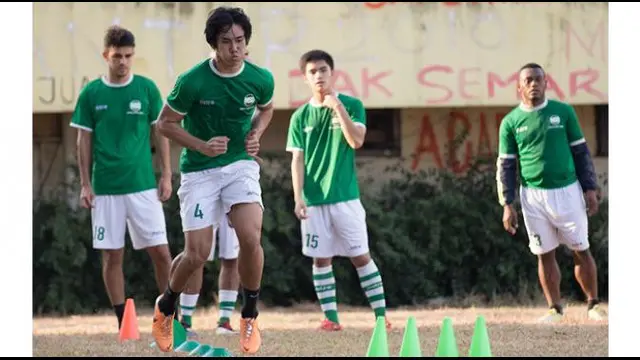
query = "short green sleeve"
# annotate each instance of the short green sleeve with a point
(358, 113)
(183, 95)
(82, 117)
(155, 102)
(266, 93)
(507, 142)
(574, 132)
(295, 141)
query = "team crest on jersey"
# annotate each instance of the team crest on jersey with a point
(135, 107)
(554, 122)
(249, 102)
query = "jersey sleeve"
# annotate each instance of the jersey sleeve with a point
(266, 94)
(358, 114)
(507, 147)
(574, 132)
(155, 102)
(82, 117)
(506, 172)
(183, 95)
(294, 136)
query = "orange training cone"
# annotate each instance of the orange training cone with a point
(129, 329)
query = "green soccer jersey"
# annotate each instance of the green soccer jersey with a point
(329, 161)
(119, 116)
(541, 139)
(215, 104)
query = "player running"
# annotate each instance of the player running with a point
(216, 98)
(114, 116)
(544, 139)
(323, 136)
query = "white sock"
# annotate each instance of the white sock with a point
(226, 305)
(188, 306)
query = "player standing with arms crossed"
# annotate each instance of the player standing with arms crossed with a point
(220, 176)
(323, 136)
(544, 139)
(114, 116)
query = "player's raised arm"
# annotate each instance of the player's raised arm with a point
(353, 125)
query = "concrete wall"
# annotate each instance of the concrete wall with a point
(424, 135)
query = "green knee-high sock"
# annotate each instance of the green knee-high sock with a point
(325, 284)
(371, 283)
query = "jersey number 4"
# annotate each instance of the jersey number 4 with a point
(198, 212)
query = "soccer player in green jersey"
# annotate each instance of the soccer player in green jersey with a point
(115, 115)
(543, 139)
(215, 101)
(323, 136)
(228, 282)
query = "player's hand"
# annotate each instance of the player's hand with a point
(592, 202)
(86, 197)
(252, 143)
(331, 101)
(301, 210)
(164, 187)
(215, 146)
(510, 219)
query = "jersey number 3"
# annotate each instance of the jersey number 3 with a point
(535, 240)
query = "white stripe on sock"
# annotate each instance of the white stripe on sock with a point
(189, 300)
(230, 296)
(370, 268)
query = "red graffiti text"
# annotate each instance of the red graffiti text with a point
(468, 83)
(481, 136)
(361, 84)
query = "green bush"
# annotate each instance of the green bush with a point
(433, 235)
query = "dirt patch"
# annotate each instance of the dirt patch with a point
(291, 332)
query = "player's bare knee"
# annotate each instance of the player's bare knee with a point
(160, 255)
(581, 256)
(361, 260)
(247, 222)
(250, 241)
(112, 258)
(194, 259)
(548, 258)
(322, 262)
(197, 247)
(229, 264)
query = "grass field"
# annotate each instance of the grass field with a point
(291, 332)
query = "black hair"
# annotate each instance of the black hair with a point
(315, 55)
(221, 19)
(117, 36)
(531, 66)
